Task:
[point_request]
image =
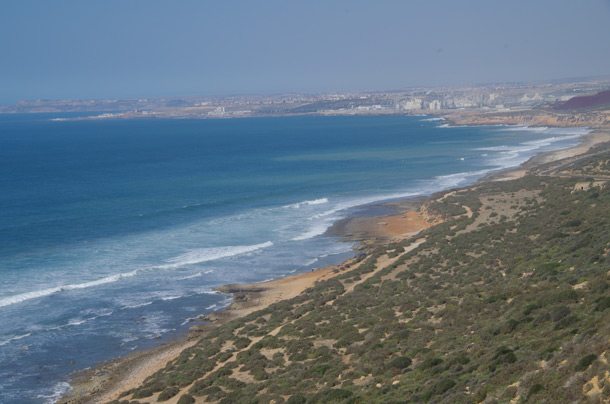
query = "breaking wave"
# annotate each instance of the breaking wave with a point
(312, 202)
(190, 258)
(201, 255)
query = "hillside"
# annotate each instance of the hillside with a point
(507, 300)
(601, 99)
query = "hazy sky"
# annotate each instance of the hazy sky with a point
(143, 48)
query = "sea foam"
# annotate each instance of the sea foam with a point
(59, 390)
(312, 202)
(22, 297)
(201, 255)
(507, 156)
(14, 338)
(190, 258)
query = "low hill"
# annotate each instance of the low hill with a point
(601, 99)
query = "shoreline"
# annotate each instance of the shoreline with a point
(587, 142)
(107, 380)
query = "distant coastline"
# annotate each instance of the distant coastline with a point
(467, 103)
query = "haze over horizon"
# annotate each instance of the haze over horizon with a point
(118, 49)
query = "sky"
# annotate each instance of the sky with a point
(157, 48)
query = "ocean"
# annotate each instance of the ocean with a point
(114, 233)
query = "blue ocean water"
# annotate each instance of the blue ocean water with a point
(114, 233)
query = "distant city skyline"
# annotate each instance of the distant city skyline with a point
(150, 48)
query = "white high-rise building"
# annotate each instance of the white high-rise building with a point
(434, 105)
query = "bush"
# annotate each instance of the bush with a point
(536, 388)
(334, 395)
(402, 362)
(213, 393)
(530, 308)
(566, 321)
(168, 393)
(510, 326)
(297, 399)
(559, 312)
(603, 304)
(431, 362)
(242, 342)
(402, 334)
(199, 386)
(503, 355)
(143, 393)
(442, 386)
(186, 399)
(585, 362)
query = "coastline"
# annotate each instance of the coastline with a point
(106, 381)
(592, 139)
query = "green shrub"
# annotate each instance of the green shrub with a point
(559, 312)
(573, 223)
(603, 303)
(168, 393)
(297, 399)
(503, 355)
(566, 321)
(213, 393)
(510, 326)
(333, 395)
(186, 399)
(431, 362)
(442, 386)
(242, 342)
(143, 392)
(401, 362)
(536, 388)
(530, 308)
(585, 362)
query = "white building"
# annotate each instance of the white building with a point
(412, 104)
(434, 105)
(218, 111)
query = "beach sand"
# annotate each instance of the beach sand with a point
(383, 228)
(106, 381)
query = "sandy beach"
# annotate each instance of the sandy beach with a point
(107, 381)
(381, 228)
